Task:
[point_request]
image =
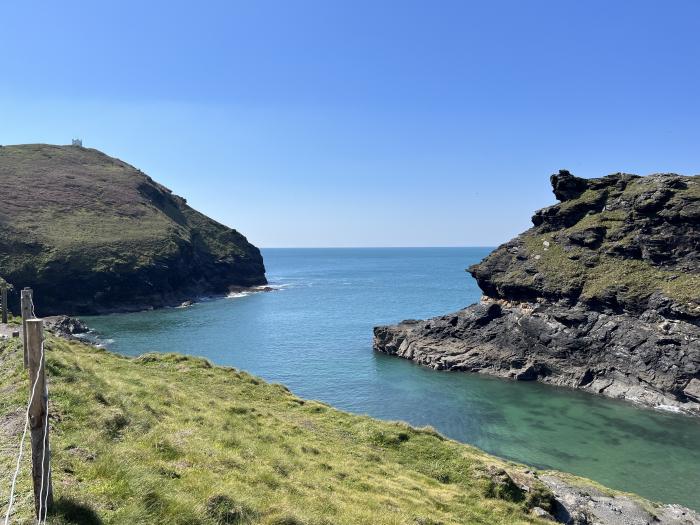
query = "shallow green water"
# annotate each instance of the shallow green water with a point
(314, 334)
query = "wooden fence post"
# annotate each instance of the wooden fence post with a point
(38, 419)
(26, 296)
(4, 303)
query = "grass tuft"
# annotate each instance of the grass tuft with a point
(225, 511)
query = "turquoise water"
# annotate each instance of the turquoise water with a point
(314, 334)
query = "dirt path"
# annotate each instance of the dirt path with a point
(7, 329)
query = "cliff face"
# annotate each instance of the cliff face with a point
(90, 233)
(618, 243)
(602, 293)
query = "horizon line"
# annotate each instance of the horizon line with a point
(368, 247)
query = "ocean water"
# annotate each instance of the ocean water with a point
(314, 334)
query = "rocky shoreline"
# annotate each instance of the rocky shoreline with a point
(577, 504)
(602, 294)
(181, 300)
(560, 498)
(619, 356)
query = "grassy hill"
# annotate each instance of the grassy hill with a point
(91, 233)
(172, 439)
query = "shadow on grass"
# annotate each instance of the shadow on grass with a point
(68, 511)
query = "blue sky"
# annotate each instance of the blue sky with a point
(360, 123)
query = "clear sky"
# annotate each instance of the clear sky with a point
(360, 122)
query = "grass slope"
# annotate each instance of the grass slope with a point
(171, 439)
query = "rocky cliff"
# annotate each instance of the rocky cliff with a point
(601, 294)
(90, 233)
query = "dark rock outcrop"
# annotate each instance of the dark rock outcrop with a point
(602, 294)
(91, 234)
(565, 499)
(566, 186)
(588, 505)
(66, 327)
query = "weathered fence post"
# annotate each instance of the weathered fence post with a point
(4, 303)
(38, 418)
(26, 296)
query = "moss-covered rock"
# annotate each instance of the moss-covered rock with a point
(619, 243)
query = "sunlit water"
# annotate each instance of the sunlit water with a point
(315, 335)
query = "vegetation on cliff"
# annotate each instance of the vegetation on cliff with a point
(619, 243)
(91, 233)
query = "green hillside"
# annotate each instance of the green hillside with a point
(172, 439)
(91, 233)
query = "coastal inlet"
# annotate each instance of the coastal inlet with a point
(315, 336)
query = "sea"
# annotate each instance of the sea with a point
(313, 333)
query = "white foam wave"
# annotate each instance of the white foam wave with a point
(669, 408)
(235, 295)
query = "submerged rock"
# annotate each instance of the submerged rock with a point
(602, 294)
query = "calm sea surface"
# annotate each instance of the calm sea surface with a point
(314, 334)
